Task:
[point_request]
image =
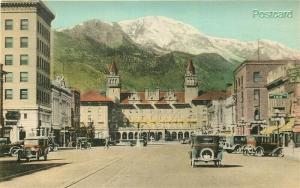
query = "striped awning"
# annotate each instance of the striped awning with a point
(268, 130)
(288, 127)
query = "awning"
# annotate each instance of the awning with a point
(268, 130)
(288, 127)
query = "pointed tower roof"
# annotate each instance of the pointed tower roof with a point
(190, 68)
(113, 68)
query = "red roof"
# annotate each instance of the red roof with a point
(94, 96)
(213, 95)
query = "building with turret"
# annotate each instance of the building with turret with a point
(156, 113)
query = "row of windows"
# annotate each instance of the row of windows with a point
(43, 97)
(43, 48)
(9, 42)
(23, 77)
(43, 31)
(256, 95)
(256, 78)
(43, 81)
(9, 59)
(9, 94)
(9, 24)
(43, 64)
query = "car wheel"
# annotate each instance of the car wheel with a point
(259, 152)
(45, 157)
(280, 153)
(27, 159)
(14, 151)
(193, 163)
(238, 149)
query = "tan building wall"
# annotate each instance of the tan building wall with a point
(37, 106)
(97, 116)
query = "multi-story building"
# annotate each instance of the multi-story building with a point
(95, 113)
(252, 95)
(25, 53)
(75, 108)
(61, 99)
(168, 115)
(281, 97)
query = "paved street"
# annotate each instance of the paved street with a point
(152, 166)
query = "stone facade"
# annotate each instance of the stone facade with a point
(25, 53)
(61, 98)
(252, 95)
(95, 113)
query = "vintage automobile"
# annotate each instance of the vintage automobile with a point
(235, 144)
(83, 143)
(259, 145)
(185, 141)
(34, 147)
(205, 148)
(7, 148)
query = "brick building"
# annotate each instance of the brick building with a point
(252, 95)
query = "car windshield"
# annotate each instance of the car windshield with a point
(239, 138)
(204, 139)
(31, 142)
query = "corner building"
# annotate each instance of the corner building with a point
(25, 54)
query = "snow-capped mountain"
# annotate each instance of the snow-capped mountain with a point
(164, 35)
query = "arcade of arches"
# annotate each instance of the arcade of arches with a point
(160, 134)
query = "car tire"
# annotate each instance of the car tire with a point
(13, 151)
(259, 152)
(45, 157)
(280, 153)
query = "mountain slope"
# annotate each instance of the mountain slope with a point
(85, 60)
(166, 35)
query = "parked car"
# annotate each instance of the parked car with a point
(185, 141)
(262, 145)
(34, 147)
(205, 148)
(235, 144)
(83, 143)
(7, 148)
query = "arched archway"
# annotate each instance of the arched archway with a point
(168, 136)
(124, 135)
(159, 136)
(256, 130)
(144, 135)
(130, 135)
(118, 135)
(180, 135)
(152, 134)
(186, 134)
(174, 136)
(136, 135)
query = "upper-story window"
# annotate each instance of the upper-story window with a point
(8, 94)
(256, 77)
(256, 114)
(9, 24)
(9, 77)
(23, 59)
(23, 42)
(24, 24)
(256, 94)
(23, 93)
(8, 42)
(23, 76)
(8, 60)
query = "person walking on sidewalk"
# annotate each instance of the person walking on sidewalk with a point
(106, 143)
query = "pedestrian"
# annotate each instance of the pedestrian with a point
(106, 143)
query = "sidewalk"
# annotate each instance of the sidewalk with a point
(292, 153)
